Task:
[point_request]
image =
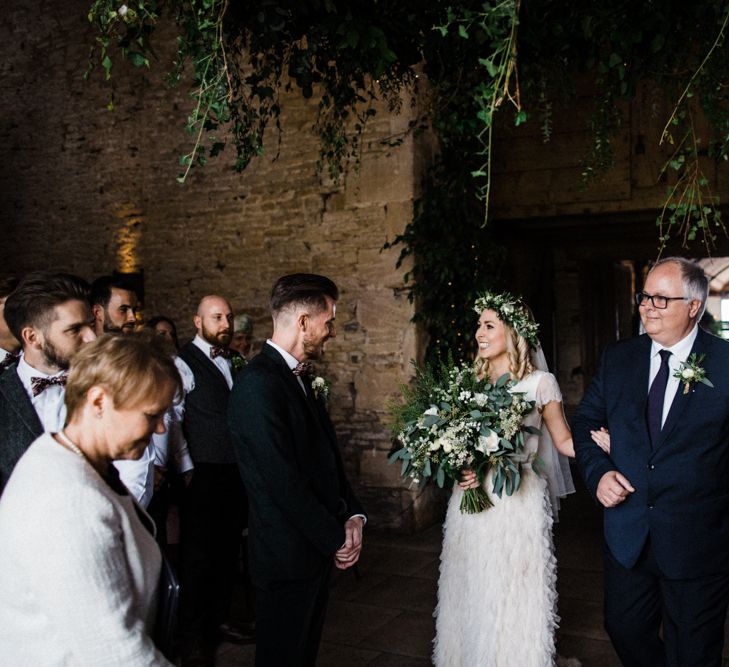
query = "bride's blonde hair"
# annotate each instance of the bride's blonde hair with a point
(520, 332)
(518, 353)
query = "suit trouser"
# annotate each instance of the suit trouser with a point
(213, 515)
(290, 619)
(640, 599)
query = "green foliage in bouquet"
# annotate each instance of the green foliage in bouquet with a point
(451, 420)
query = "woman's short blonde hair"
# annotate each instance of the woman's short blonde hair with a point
(518, 352)
(130, 369)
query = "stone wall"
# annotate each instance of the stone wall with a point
(88, 191)
(561, 236)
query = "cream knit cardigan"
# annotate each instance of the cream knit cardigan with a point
(78, 570)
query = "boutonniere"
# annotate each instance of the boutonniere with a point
(320, 387)
(690, 371)
(238, 361)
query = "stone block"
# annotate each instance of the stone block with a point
(376, 470)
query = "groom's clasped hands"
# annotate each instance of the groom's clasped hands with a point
(348, 554)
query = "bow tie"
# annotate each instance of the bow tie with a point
(303, 368)
(9, 359)
(217, 351)
(39, 385)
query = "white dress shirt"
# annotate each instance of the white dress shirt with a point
(49, 403)
(138, 475)
(679, 354)
(171, 448)
(221, 362)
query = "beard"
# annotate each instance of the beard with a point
(221, 338)
(54, 357)
(314, 347)
(112, 329)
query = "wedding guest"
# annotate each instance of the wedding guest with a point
(79, 567)
(213, 513)
(173, 467)
(242, 338)
(114, 303)
(663, 485)
(145, 476)
(304, 517)
(49, 314)
(9, 345)
(165, 328)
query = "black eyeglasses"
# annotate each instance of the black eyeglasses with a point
(658, 300)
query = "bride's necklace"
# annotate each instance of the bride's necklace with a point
(69, 444)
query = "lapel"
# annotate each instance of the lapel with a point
(681, 400)
(313, 405)
(13, 393)
(634, 389)
(290, 379)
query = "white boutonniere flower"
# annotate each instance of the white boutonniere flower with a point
(690, 371)
(320, 387)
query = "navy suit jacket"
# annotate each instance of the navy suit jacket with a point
(681, 497)
(19, 423)
(299, 497)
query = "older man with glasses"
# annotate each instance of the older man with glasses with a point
(665, 483)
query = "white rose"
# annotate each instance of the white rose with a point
(447, 447)
(488, 444)
(435, 445)
(507, 309)
(431, 411)
(687, 373)
(122, 11)
(481, 399)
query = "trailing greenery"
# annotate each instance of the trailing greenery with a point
(487, 64)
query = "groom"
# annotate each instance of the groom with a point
(665, 484)
(303, 516)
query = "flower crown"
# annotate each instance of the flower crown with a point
(512, 311)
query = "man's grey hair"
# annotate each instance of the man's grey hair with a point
(695, 282)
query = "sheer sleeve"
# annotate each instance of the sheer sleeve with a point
(547, 391)
(556, 467)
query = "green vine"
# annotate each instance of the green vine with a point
(495, 27)
(479, 57)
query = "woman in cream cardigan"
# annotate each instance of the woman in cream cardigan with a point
(79, 566)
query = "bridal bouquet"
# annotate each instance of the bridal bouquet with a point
(454, 420)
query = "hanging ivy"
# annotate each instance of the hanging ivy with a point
(483, 60)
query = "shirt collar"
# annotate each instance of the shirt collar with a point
(202, 344)
(680, 351)
(26, 371)
(291, 361)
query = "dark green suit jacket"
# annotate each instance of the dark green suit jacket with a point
(290, 463)
(19, 423)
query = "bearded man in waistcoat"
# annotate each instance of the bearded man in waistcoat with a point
(213, 514)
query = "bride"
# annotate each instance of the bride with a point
(496, 593)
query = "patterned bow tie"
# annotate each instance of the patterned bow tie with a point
(217, 351)
(303, 368)
(39, 385)
(9, 359)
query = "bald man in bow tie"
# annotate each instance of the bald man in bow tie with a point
(50, 314)
(215, 508)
